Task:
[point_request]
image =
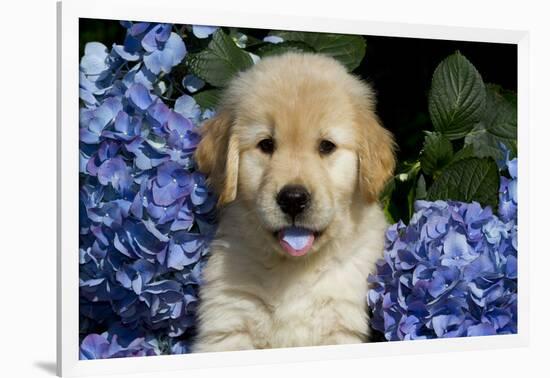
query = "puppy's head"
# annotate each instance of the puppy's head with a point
(297, 146)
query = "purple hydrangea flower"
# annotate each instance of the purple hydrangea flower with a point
(192, 83)
(93, 121)
(163, 57)
(203, 31)
(273, 39)
(108, 345)
(451, 272)
(187, 107)
(156, 37)
(146, 217)
(181, 134)
(95, 60)
(126, 127)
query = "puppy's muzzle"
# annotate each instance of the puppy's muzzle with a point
(293, 199)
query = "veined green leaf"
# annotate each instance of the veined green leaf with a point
(467, 180)
(436, 152)
(498, 125)
(457, 97)
(220, 61)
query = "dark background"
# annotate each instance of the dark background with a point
(399, 69)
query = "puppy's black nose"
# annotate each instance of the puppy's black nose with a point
(293, 199)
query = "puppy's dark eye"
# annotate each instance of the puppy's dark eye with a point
(267, 146)
(326, 147)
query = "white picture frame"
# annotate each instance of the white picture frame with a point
(69, 12)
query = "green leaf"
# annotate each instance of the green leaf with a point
(467, 180)
(218, 63)
(457, 97)
(208, 99)
(498, 124)
(421, 191)
(436, 153)
(270, 49)
(466, 152)
(348, 49)
(486, 144)
(385, 199)
(500, 117)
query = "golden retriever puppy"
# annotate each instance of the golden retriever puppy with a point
(298, 159)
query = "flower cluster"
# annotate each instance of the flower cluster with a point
(146, 215)
(110, 345)
(451, 272)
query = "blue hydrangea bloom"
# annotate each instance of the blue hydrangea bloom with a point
(273, 39)
(118, 342)
(192, 83)
(146, 215)
(203, 31)
(451, 272)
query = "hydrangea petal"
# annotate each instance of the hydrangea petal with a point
(94, 61)
(192, 83)
(203, 31)
(140, 97)
(187, 107)
(93, 347)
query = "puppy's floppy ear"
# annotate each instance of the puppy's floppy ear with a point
(376, 154)
(217, 156)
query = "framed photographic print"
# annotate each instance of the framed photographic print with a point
(285, 188)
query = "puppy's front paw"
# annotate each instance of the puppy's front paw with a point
(223, 342)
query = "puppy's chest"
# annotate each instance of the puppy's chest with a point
(303, 307)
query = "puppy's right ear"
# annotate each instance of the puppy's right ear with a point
(217, 156)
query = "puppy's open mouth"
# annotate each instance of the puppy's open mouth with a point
(296, 241)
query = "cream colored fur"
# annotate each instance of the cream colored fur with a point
(254, 294)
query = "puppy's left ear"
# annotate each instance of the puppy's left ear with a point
(217, 156)
(376, 154)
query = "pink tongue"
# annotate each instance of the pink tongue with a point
(296, 241)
